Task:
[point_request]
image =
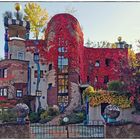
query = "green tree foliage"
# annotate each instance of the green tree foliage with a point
(33, 117)
(117, 87)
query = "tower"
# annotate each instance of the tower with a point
(15, 27)
(65, 41)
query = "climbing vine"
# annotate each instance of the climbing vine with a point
(103, 96)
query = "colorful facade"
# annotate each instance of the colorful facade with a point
(59, 65)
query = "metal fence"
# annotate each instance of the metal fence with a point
(46, 131)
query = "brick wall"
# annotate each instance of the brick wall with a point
(14, 131)
(123, 131)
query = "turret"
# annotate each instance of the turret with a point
(15, 27)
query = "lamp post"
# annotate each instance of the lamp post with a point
(66, 120)
(87, 109)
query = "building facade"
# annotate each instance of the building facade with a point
(13, 81)
(60, 65)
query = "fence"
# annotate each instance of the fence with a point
(46, 131)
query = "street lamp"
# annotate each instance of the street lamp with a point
(36, 57)
(66, 120)
(87, 109)
(38, 93)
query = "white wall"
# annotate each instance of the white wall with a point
(95, 113)
(43, 86)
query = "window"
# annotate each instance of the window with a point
(88, 79)
(96, 79)
(63, 100)
(49, 86)
(0, 110)
(79, 79)
(1, 73)
(62, 77)
(62, 64)
(106, 79)
(3, 92)
(5, 73)
(20, 55)
(41, 74)
(19, 93)
(3, 110)
(63, 84)
(62, 50)
(107, 62)
(50, 67)
(36, 74)
(97, 63)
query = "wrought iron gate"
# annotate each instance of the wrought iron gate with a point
(46, 131)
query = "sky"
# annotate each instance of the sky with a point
(100, 21)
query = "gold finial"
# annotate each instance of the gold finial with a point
(113, 45)
(119, 38)
(17, 7)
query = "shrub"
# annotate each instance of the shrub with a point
(34, 117)
(81, 116)
(52, 111)
(8, 116)
(49, 114)
(117, 86)
(47, 119)
(74, 118)
(44, 115)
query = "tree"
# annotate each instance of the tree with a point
(89, 43)
(36, 16)
(116, 86)
(102, 44)
(70, 10)
(128, 72)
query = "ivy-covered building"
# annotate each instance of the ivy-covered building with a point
(60, 65)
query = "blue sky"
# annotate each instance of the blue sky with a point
(100, 21)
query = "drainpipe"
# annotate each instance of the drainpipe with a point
(36, 60)
(6, 48)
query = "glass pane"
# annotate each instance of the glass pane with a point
(59, 68)
(64, 61)
(66, 82)
(62, 49)
(65, 69)
(60, 57)
(60, 76)
(59, 98)
(4, 92)
(59, 89)
(1, 92)
(61, 81)
(21, 55)
(59, 49)
(63, 89)
(5, 73)
(59, 62)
